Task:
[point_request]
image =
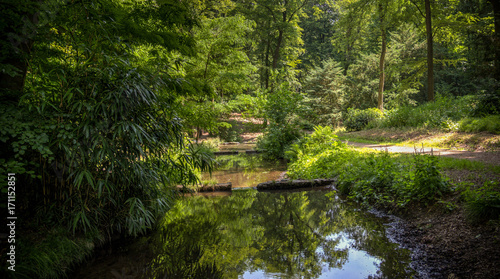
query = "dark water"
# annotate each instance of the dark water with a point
(250, 234)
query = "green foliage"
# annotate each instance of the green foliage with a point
(490, 123)
(95, 140)
(428, 183)
(356, 120)
(281, 104)
(230, 132)
(321, 139)
(446, 113)
(369, 177)
(325, 88)
(483, 203)
(488, 104)
(53, 256)
(437, 114)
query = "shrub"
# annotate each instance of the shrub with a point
(488, 104)
(484, 203)
(369, 177)
(442, 113)
(230, 132)
(428, 182)
(276, 139)
(280, 107)
(489, 123)
(356, 120)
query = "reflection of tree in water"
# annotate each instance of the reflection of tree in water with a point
(291, 234)
(179, 257)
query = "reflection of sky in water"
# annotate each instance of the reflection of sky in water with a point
(359, 263)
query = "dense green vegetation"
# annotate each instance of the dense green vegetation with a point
(391, 181)
(101, 100)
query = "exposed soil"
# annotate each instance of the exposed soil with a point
(449, 246)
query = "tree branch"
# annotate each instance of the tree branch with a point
(418, 8)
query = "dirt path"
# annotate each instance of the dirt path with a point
(489, 157)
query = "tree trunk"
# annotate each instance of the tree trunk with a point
(496, 36)
(380, 103)
(276, 54)
(266, 73)
(430, 52)
(17, 37)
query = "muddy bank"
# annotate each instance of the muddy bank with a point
(454, 247)
(445, 244)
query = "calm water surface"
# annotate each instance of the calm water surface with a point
(245, 170)
(251, 234)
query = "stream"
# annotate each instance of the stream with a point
(251, 234)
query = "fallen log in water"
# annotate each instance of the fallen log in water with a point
(219, 187)
(253, 151)
(293, 184)
(218, 153)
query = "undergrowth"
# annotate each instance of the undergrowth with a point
(54, 256)
(484, 203)
(366, 176)
(382, 179)
(462, 114)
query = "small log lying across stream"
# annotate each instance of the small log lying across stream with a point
(219, 187)
(293, 184)
(218, 153)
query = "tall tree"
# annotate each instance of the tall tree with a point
(383, 31)
(430, 52)
(496, 38)
(277, 33)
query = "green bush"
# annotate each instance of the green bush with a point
(442, 113)
(356, 120)
(490, 123)
(230, 132)
(484, 203)
(488, 104)
(428, 184)
(280, 107)
(276, 139)
(368, 177)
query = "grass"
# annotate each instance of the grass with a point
(484, 203)
(53, 256)
(464, 164)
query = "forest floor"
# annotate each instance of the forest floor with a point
(448, 244)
